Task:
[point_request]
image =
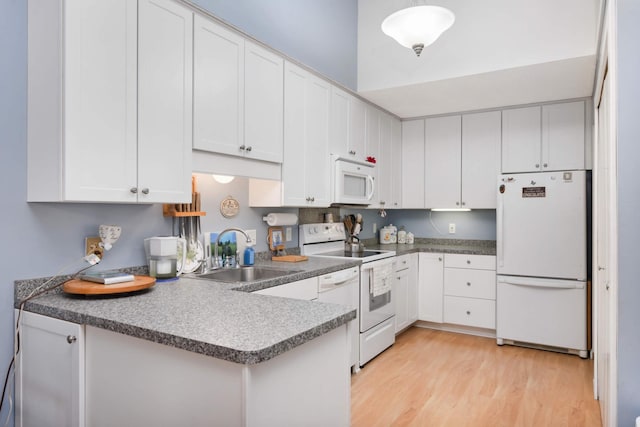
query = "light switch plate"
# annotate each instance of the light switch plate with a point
(287, 233)
(452, 228)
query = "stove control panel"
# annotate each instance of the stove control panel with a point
(322, 232)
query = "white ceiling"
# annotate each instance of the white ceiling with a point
(497, 53)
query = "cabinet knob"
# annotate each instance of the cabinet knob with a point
(243, 147)
(313, 199)
(134, 190)
(404, 262)
(382, 202)
(71, 339)
(457, 203)
(537, 165)
(308, 199)
(544, 165)
(439, 258)
(468, 283)
(468, 313)
(249, 148)
(398, 277)
(468, 261)
(352, 152)
(463, 203)
(145, 191)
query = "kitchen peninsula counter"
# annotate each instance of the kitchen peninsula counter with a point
(222, 320)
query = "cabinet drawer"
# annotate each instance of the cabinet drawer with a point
(470, 283)
(482, 262)
(480, 313)
(406, 261)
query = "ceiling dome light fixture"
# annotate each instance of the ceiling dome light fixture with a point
(418, 26)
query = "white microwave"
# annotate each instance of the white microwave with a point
(353, 182)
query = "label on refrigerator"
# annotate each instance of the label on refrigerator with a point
(534, 192)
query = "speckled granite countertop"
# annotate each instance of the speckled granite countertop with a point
(447, 246)
(212, 318)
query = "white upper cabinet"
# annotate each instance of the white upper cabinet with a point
(109, 101)
(218, 80)
(238, 95)
(305, 170)
(396, 164)
(544, 138)
(263, 108)
(384, 166)
(481, 138)
(442, 162)
(348, 129)
(165, 124)
(413, 164)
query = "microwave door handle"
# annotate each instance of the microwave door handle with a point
(372, 183)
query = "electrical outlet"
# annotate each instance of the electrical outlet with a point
(375, 228)
(287, 233)
(252, 235)
(92, 246)
(452, 228)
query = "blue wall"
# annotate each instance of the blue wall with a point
(628, 94)
(477, 224)
(40, 238)
(320, 34)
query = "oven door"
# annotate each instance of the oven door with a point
(354, 183)
(376, 293)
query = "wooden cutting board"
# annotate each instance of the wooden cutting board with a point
(84, 287)
(290, 258)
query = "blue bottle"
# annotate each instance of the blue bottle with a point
(249, 255)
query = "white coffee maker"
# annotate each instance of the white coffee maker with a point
(166, 256)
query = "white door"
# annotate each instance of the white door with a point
(384, 165)
(521, 140)
(442, 154)
(401, 293)
(100, 100)
(481, 136)
(263, 103)
(218, 88)
(563, 136)
(396, 164)
(430, 287)
(50, 373)
(339, 123)
(165, 88)
(413, 164)
(294, 175)
(357, 128)
(604, 219)
(317, 161)
(541, 225)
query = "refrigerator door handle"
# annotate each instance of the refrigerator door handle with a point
(541, 284)
(499, 231)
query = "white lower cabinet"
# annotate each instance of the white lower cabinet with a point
(406, 290)
(50, 375)
(306, 289)
(430, 287)
(470, 290)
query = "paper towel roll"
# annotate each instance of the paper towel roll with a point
(274, 219)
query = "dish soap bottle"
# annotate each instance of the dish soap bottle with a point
(249, 255)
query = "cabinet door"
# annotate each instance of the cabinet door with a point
(339, 124)
(317, 161)
(442, 162)
(481, 136)
(100, 82)
(563, 136)
(218, 88)
(521, 140)
(357, 128)
(165, 63)
(305, 171)
(384, 167)
(263, 91)
(401, 293)
(50, 373)
(413, 164)
(430, 287)
(396, 164)
(412, 285)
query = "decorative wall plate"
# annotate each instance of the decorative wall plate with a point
(229, 207)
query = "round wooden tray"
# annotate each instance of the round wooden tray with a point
(84, 287)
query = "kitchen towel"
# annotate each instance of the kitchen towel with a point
(381, 279)
(274, 219)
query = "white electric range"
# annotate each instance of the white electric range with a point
(376, 309)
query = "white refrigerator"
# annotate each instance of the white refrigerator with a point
(542, 260)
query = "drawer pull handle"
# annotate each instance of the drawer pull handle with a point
(468, 312)
(468, 283)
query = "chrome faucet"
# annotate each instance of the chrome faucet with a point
(215, 248)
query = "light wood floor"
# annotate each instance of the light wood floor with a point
(434, 378)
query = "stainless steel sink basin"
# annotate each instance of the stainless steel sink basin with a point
(245, 274)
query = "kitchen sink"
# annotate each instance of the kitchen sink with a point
(245, 274)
